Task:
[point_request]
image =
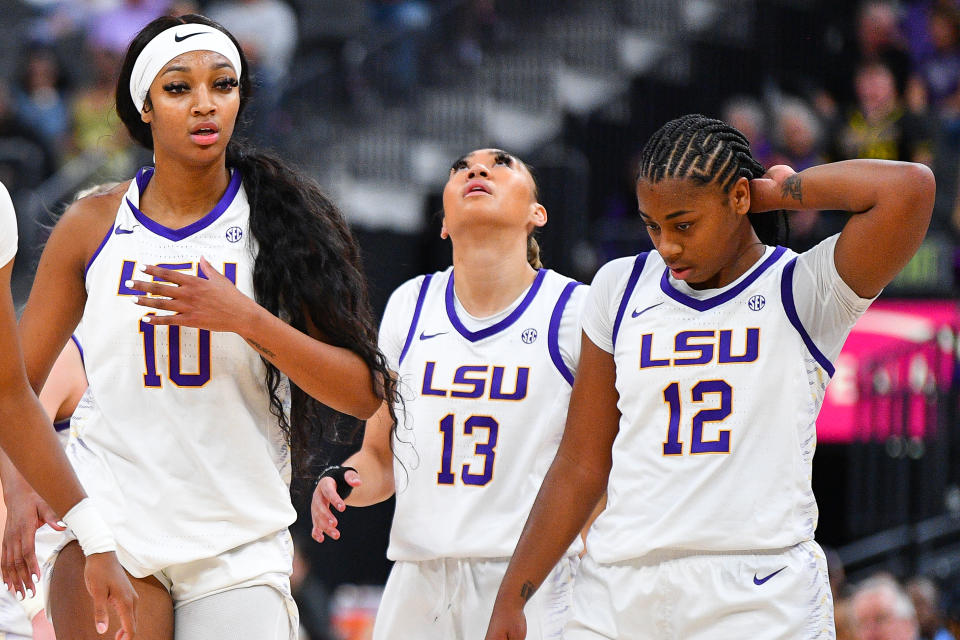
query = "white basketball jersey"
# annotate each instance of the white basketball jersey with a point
(718, 393)
(484, 414)
(174, 439)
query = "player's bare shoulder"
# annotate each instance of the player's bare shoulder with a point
(83, 225)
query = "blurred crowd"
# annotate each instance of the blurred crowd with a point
(893, 94)
(880, 607)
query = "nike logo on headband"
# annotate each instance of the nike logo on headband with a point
(189, 35)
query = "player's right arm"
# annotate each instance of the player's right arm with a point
(26, 434)
(571, 490)
(372, 481)
(26, 511)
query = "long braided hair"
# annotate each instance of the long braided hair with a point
(707, 150)
(307, 270)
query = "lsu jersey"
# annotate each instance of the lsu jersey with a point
(719, 392)
(174, 439)
(485, 403)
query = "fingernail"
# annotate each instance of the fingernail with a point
(101, 628)
(341, 506)
(19, 596)
(35, 577)
(128, 284)
(61, 523)
(31, 591)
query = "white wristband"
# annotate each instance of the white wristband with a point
(92, 532)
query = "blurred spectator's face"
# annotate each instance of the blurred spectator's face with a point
(744, 121)
(875, 618)
(42, 72)
(943, 33)
(797, 136)
(877, 26)
(875, 87)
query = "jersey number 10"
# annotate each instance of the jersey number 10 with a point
(151, 379)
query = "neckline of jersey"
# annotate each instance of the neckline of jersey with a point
(474, 336)
(143, 178)
(726, 294)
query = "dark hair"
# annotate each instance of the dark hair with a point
(706, 150)
(307, 269)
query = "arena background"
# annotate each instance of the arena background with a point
(375, 100)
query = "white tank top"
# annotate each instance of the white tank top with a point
(718, 393)
(174, 439)
(486, 403)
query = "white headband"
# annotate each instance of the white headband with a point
(171, 43)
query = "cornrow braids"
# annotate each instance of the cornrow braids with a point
(707, 150)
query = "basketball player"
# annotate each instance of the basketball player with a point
(25, 435)
(204, 284)
(485, 353)
(703, 367)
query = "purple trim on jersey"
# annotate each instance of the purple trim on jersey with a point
(79, 348)
(416, 316)
(63, 425)
(143, 178)
(103, 243)
(486, 332)
(627, 292)
(786, 295)
(553, 333)
(709, 303)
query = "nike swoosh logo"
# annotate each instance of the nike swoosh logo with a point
(119, 232)
(426, 336)
(635, 313)
(759, 581)
(189, 35)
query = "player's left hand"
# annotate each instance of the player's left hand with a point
(324, 497)
(212, 303)
(774, 190)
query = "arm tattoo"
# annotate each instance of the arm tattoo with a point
(791, 188)
(262, 349)
(527, 590)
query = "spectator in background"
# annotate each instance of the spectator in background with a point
(879, 39)
(883, 611)
(267, 30)
(96, 127)
(25, 160)
(746, 114)
(935, 85)
(401, 22)
(40, 96)
(114, 26)
(797, 135)
(926, 601)
(879, 126)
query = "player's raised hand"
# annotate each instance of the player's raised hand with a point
(775, 190)
(211, 302)
(507, 625)
(110, 587)
(26, 512)
(325, 496)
